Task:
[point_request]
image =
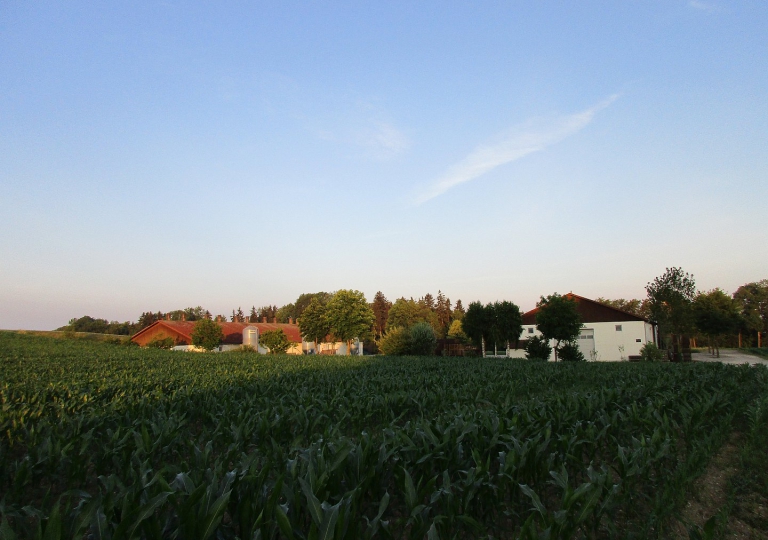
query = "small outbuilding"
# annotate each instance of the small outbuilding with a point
(607, 333)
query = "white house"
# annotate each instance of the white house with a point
(607, 333)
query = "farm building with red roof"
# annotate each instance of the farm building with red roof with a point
(180, 332)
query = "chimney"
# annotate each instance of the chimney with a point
(264, 319)
(290, 320)
(274, 320)
(167, 316)
(183, 316)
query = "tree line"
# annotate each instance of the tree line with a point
(409, 326)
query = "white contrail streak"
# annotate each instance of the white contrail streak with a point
(520, 143)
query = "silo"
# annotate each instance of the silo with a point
(251, 337)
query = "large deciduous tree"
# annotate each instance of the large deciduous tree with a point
(670, 298)
(476, 324)
(349, 316)
(557, 318)
(506, 323)
(207, 334)
(753, 302)
(303, 301)
(313, 323)
(285, 313)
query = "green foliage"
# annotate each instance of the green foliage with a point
(423, 339)
(276, 341)
(761, 351)
(396, 342)
(670, 298)
(313, 323)
(753, 301)
(651, 353)
(476, 323)
(499, 323)
(380, 307)
(456, 331)
(505, 322)
(349, 316)
(161, 343)
(443, 314)
(188, 314)
(116, 442)
(558, 319)
(639, 308)
(419, 339)
(716, 315)
(538, 348)
(98, 326)
(569, 352)
(405, 313)
(207, 334)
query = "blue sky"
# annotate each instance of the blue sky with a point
(155, 156)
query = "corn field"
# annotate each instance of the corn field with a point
(106, 441)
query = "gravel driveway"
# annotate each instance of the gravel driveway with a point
(729, 356)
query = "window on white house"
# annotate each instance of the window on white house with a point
(638, 340)
(530, 330)
(618, 328)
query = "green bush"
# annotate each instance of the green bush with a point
(164, 343)
(538, 348)
(651, 353)
(423, 339)
(396, 342)
(276, 341)
(570, 352)
(207, 334)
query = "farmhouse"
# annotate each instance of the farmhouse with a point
(236, 334)
(607, 333)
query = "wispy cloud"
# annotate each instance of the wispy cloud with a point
(518, 143)
(365, 126)
(383, 140)
(704, 6)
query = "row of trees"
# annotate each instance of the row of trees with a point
(344, 316)
(501, 323)
(673, 301)
(683, 312)
(404, 313)
(99, 326)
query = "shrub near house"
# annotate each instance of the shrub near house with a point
(276, 341)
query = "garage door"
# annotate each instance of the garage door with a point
(586, 343)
